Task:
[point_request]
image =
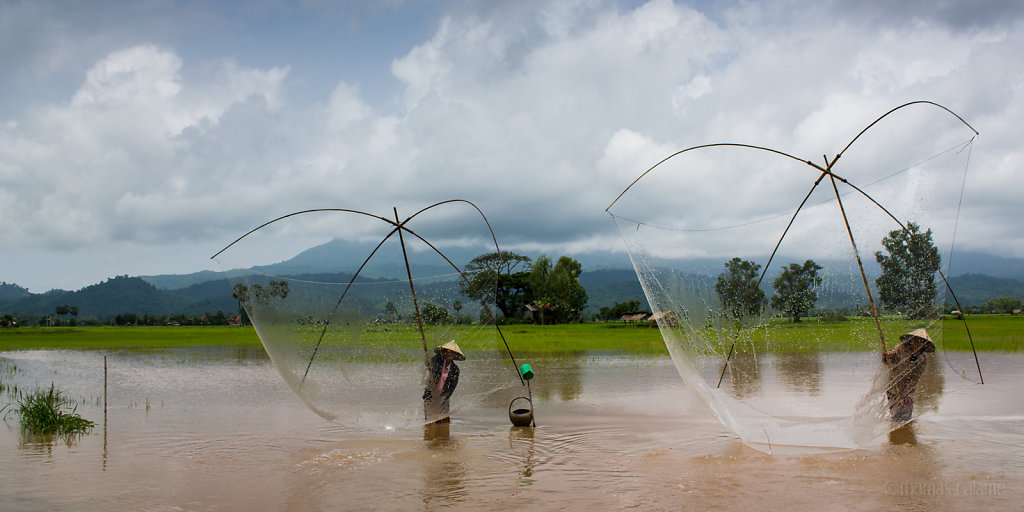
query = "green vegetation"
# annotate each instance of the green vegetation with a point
(999, 333)
(737, 288)
(990, 332)
(46, 413)
(495, 278)
(556, 289)
(262, 295)
(434, 314)
(832, 316)
(1002, 305)
(619, 310)
(67, 310)
(553, 289)
(124, 338)
(794, 289)
(907, 283)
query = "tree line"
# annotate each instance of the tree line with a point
(10, 320)
(906, 285)
(548, 291)
(618, 310)
(997, 305)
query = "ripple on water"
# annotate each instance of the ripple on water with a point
(226, 435)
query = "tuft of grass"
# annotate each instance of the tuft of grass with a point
(45, 412)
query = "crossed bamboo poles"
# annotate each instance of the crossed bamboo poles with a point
(826, 171)
(400, 228)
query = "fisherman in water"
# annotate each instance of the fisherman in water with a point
(441, 382)
(906, 362)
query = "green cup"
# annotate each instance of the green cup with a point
(526, 372)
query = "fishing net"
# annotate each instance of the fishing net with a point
(751, 261)
(354, 318)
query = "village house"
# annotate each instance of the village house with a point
(636, 317)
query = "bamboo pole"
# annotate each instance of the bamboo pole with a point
(732, 346)
(412, 287)
(399, 227)
(856, 253)
(104, 413)
(827, 171)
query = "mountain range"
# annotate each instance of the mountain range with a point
(607, 276)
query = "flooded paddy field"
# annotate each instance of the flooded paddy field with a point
(218, 430)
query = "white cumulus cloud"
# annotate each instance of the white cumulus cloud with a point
(540, 113)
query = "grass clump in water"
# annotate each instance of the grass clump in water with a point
(45, 412)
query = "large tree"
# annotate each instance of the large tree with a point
(794, 289)
(499, 279)
(907, 283)
(737, 288)
(557, 287)
(62, 310)
(564, 283)
(434, 314)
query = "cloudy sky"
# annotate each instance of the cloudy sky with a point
(139, 138)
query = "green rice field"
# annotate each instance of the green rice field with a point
(990, 333)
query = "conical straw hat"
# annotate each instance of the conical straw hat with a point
(451, 346)
(919, 333)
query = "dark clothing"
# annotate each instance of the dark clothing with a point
(906, 362)
(439, 404)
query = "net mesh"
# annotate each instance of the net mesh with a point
(754, 275)
(354, 330)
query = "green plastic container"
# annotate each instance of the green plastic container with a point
(526, 372)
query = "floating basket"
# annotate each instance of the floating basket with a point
(521, 414)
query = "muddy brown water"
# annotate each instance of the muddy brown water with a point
(220, 431)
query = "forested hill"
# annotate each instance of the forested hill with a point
(125, 294)
(975, 289)
(12, 292)
(605, 287)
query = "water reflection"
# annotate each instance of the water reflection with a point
(754, 377)
(522, 442)
(914, 477)
(233, 437)
(930, 387)
(903, 435)
(801, 372)
(745, 374)
(43, 444)
(559, 377)
(444, 467)
(237, 353)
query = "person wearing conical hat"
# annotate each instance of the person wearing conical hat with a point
(441, 382)
(906, 362)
